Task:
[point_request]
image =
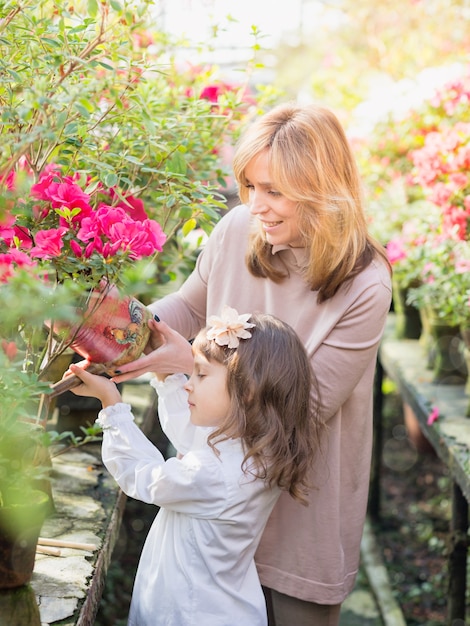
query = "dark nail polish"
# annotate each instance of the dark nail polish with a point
(117, 372)
(156, 318)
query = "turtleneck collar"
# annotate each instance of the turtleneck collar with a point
(300, 254)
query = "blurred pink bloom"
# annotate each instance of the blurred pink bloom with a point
(12, 259)
(396, 250)
(10, 349)
(433, 416)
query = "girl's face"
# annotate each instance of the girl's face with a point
(276, 213)
(209, 400)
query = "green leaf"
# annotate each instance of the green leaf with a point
(92, 186)
(132, 159)
(87, 105)
(14, 74)
(71, 128)
(116, 6)
(93, 7)
(176, 164)
(106, 66)
(189, 226)
(110, 179)
(82, 109)
(52, 42)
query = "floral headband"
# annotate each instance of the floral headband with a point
(229, 328)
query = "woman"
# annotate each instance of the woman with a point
(298, 248)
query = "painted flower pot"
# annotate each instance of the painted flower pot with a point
(112, 330)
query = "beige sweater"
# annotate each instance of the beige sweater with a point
(310, 552)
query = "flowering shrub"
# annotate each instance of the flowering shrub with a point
(426, 156)
(442, 170)
(112, 165)
(110, 155)
(61, 241)
(71, 234)
(386, 157)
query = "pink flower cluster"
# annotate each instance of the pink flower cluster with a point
(452, 95)
(442, 168)
(78, 229)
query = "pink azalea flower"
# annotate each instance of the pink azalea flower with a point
(49, 243)
(134, 207)
(211, 93)
(100, 222)
(7, 235)
(76, 248)
(107, 234)
(62, 194)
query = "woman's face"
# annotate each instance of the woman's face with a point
(276, 213)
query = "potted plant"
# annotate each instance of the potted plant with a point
(443, 294)
(406, 253)
(24, 502)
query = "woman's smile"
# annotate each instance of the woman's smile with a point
(276, 213)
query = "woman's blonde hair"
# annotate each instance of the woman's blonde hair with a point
(311, 163)
(269, 381)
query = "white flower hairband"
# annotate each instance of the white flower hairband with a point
(229, 328)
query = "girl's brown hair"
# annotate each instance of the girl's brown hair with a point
(269, 380)
(311, 162)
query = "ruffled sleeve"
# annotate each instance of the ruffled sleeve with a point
(115, 415)
(194, 484)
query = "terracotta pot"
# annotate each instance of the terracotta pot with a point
(414, 432)
(20, 525)
(112, 330)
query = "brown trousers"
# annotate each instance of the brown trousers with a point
(287, 611)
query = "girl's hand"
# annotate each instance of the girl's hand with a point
(172, 354)
(95, 386)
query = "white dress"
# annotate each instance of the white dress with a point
(197, 565)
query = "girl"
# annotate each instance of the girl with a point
(247, 434)
(298, 248)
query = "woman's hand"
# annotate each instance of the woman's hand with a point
(170, 353)
(94, 386)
